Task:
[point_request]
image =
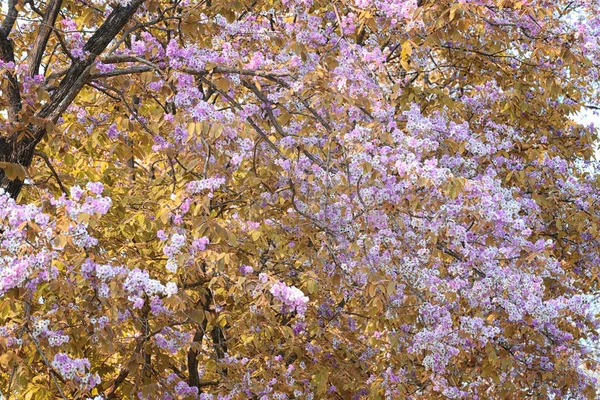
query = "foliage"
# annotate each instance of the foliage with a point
(297, 199)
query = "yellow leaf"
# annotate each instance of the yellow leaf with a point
(406, 50)
(196, 315)
(391, 288)
(311, 286)
(405, 65)
(222, 84)
(255, 235)
(13, 170)
(453, 10)
(6, 358)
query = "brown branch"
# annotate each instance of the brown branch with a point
(149, 66)
(193, 352)
(10, 19)
(207, 383)
(240, 71)
(124, 372)
(274, 121)
(79, 71)
(60, 184)
(317, 223)
(121, 71)
(248, 119)
(12, 90)
(304, 102)
(51, 370)
(118, 381)
(459, 258)
(34, 8)
(63, 45)
(115, 59)
(218, 339)
(69, 87)
(41, 40)
(192, 356)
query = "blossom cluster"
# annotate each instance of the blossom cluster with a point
(55, 338)
(292, 299)
(76, 370)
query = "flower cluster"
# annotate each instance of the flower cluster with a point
(139, 284)
(292, 298)
(55, 338)
(76, 370)
(171, 340)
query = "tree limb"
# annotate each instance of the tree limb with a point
(51, 370)
(41, 40)
(60, 184)
(79, 71)
(13, 93)
(21, 151)
(192, 356)
(9, 20)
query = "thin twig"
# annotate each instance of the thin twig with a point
(51, 370)
(49, 164)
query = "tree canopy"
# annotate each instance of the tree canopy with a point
(297, 199)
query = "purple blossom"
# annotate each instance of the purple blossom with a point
(292, 298)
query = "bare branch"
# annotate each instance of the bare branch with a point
(79, 71)
(261, 133)
(13, 93)
(60, 184)
(41, 40)
(121, 71)
(9, 20)
(274, 121)
(192, 356)
(51, 370)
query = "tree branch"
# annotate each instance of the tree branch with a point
(51, 370)
(79, 71)
(118, 381)
(41, 40)
(60, 184)
(9, 20)
(138, 69)
(71, 84)
(274, 121)
(192, 356)
(13, 93)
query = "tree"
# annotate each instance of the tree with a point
(297, 199)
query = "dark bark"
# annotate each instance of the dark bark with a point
(78, 73)
(12, 187)
(10, 19)
(118, 381)
(20, 148)
(41, 40)
(194, 350)
(139, 348)
(218, 339)
(192, 357)
(13, 95)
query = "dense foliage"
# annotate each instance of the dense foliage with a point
(297, 199)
